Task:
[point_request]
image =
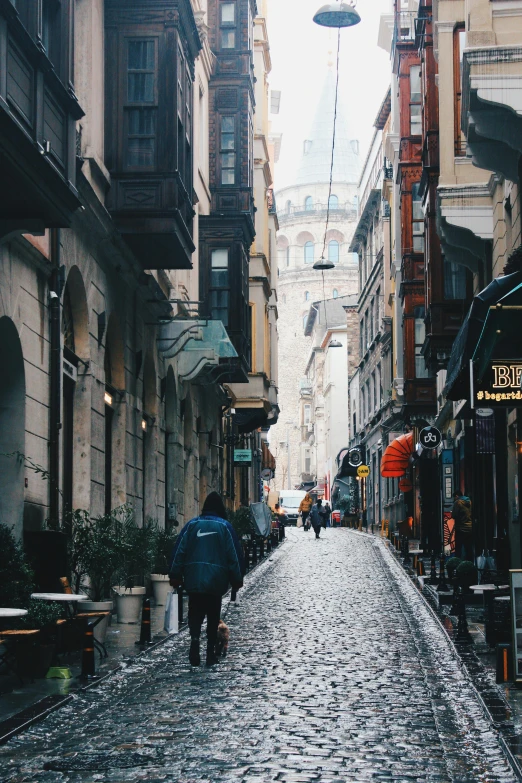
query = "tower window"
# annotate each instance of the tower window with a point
(309, 253)
(228, 146)
(333, 251)
(228, 25)
(333, 202)
(309, 203)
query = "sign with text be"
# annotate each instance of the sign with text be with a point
(500, 386)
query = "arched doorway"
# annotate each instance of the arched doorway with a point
(149, 444)
(12, 426)
(76, 408)
(115, 416)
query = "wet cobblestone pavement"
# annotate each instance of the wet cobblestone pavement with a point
(337, 671)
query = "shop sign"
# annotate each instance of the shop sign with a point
(500, 385)
(430, 437)
(242, 456)
(363, 471)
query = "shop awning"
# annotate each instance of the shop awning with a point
(502, 331)
(396, 459)
(467, 340)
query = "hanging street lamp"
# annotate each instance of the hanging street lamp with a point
(322, 264)
(335, 344)
(337, 15)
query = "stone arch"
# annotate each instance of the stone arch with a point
(76, 396)
(334, 235)
(190, 462)
(173, 453)
(115, 416)
(303, 237)
(282, 242)
(149, 440)
(114, 360)
(12, 426)
(75, 293)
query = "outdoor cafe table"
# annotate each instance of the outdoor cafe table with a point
(4, 613)
(66, 598)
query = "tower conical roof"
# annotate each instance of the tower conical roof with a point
(317, 152)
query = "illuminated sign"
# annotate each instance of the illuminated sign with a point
(500, 385)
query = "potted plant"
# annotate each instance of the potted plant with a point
(164, 540)
(16, 576)
(466, 574)
(452, 565)
(33, 660)
(95, 553)
(136, 548)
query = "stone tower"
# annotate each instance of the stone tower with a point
(302, 211)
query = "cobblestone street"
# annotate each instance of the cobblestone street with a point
(337, 671)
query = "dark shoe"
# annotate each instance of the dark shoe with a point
(194, 656)
(212, 658)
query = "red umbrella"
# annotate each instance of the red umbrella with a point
(396, 458)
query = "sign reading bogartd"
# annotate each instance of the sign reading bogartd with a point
(500, 384)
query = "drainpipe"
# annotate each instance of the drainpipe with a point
(55, 382)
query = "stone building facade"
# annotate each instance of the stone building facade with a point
(115, 350)
(302, 213)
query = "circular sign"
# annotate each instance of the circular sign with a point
(355, 457)
(267, 474)
(405, 485)
(363, 471)
(430, 437)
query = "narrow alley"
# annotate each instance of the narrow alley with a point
(337, 671)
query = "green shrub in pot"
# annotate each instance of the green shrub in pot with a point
(467, 573)
(16, 576)
(164, 540)
(452, 565)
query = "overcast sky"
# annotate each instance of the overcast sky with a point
(299, 50)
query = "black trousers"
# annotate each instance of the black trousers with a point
(202, 605)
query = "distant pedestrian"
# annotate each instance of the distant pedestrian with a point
(316, 517)
(461, 513)
(281, 520)
(206, 560)
(304, 509)
(327, 513)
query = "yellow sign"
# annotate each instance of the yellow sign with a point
(363, 471)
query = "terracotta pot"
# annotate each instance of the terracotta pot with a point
(160, 587)
(128, 603)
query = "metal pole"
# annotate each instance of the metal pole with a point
(55, 385)
(288, 478)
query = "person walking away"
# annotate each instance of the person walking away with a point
(281, 519)
(304, 509)
(461, 513)
(327, 515)
(316, 517)
(207, 559)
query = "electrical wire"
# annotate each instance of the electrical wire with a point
(331, 166)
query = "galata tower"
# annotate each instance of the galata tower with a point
(302, 211)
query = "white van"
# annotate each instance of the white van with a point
(290, 500)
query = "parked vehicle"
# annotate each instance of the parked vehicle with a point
(290, 500)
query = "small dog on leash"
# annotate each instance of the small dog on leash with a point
(223, 636)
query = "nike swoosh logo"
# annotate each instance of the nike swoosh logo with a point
(212, 533)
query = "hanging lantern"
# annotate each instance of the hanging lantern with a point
(405, 485)
(335, 344)
(323, 264)
(337, 15)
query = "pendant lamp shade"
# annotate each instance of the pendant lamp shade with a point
(337, 15)
(323, 264)
(396, 458)
(335, 344)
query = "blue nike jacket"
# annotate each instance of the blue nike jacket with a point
(208, 556)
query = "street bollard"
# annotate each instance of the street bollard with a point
(407, 559)
(420, 567)
(415, 564)
(275, 540)
(246, 555)
(443, 585)
(454, 608)
(504, 663)
(433, 580)
(463, 634)
(254, 552)
(268, 544)
(261, 548)
(88, 662)
(145, 635)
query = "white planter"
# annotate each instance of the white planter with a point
(160, 587)
(128, 603)
(100, 630)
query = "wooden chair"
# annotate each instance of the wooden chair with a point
(10, 642)
(92, 617)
